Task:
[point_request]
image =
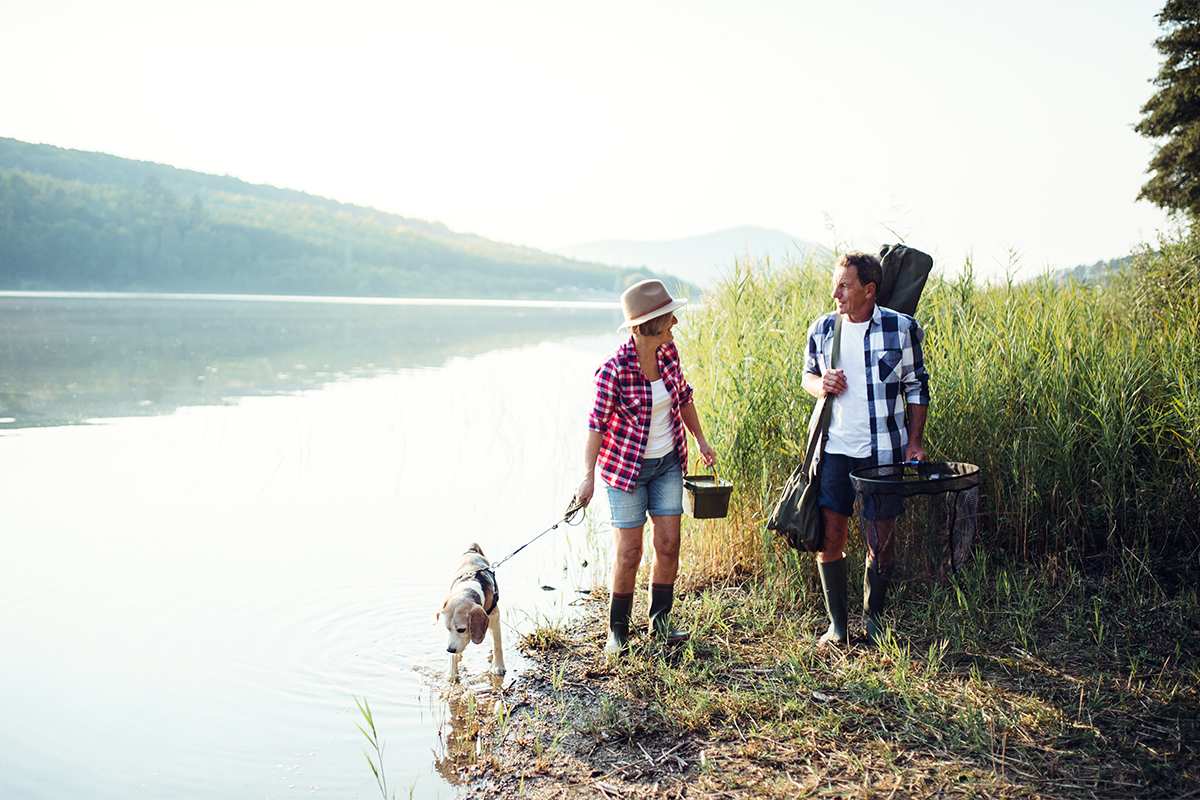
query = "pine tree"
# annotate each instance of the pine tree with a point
(1174, 111)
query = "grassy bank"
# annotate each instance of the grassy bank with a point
(1009, 680)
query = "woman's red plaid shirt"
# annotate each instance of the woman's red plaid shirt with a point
(622, 411)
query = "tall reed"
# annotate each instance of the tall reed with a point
(745, 348)
(1080, 404)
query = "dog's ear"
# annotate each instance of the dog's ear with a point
(438, 614)
(479, 624)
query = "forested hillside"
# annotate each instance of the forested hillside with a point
(72, 220)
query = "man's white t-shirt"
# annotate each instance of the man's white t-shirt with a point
(850, 423)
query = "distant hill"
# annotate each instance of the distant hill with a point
(71, 219)
(697, 259)
(1100, 272)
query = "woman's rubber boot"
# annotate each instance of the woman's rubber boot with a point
(619, 608)
(875, 586)
(833, 581)
(662, 598)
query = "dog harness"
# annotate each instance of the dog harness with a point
(486, 578)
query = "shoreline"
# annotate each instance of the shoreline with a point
(749, 707)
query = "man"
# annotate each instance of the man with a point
(880, 364)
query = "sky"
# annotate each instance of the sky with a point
(998, 132)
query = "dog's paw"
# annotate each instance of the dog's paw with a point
(498, 669)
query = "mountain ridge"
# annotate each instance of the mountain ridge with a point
(72, 219)
(696, 259)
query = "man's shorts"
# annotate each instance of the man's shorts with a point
(837, 490)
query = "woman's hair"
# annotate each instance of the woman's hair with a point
(866, 267)
(652, 327)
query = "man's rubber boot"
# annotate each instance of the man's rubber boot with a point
(833, 581)
(875, 584)
(619, 608)
(662, 597)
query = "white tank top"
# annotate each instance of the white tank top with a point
(662, 438)
(850, 424)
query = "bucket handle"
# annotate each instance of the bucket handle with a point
(700, 465)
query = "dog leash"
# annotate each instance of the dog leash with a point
(572, 511)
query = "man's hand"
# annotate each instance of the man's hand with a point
(914, 450)
(833, 382)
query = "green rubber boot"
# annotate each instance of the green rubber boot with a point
(833, 581)
(875, 585)
(619, 608)
(662, 598)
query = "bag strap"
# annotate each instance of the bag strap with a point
(818, 426)
(837, 343)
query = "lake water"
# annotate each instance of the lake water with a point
(225, 520)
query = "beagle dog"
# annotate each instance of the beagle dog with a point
(472, 609)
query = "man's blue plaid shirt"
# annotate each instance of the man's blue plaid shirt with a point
(895, 367)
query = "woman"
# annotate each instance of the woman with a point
(636, 432)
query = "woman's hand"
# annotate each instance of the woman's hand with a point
(586, 489)
(707, 454)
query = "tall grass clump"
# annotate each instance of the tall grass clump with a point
(1073, 401)
(1080, 403)
(745, 348)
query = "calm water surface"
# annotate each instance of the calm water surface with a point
(195, 591)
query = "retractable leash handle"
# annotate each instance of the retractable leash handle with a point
(574, 507)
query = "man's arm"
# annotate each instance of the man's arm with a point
(915, 449)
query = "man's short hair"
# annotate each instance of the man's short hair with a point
(866, 267)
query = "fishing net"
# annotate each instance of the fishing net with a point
(922, 512)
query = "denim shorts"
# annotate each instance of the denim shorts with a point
(658, 490)
(837, 490)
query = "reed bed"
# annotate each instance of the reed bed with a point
(1080, 404)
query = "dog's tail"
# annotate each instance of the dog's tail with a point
(475, 548)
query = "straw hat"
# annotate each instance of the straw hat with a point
(646, 300)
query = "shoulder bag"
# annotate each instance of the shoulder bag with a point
(797, 515)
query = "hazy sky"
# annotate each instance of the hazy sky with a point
(965, 127)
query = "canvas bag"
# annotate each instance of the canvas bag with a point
(905, 270)
(797, 517)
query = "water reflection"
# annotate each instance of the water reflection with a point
(459, 742)
(69, 358)
(197, 597)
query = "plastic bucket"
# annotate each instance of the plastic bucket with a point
(706, 496)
